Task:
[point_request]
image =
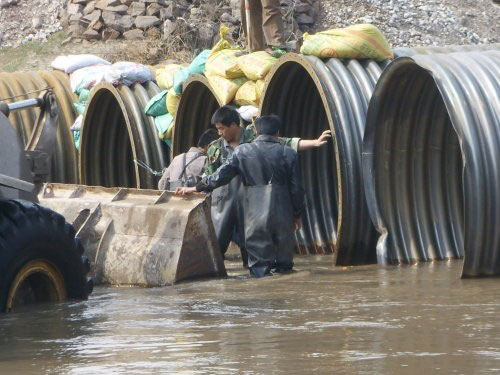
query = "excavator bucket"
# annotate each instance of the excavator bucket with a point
(137, 236)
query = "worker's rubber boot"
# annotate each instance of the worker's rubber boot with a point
(260, 271)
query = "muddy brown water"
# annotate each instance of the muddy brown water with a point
(362, 320)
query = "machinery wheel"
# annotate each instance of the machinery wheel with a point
(41, 260)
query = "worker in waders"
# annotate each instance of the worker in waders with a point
(226, 209)
(272, 197)
(187, 168)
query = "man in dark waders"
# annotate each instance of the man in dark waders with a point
(226, 208)
(272, 196)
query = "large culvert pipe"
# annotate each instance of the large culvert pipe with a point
(431, 160)
(115, 132)
(311, 95)
(196, 107)
(23, 85)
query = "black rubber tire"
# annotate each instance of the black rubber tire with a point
(28, 232)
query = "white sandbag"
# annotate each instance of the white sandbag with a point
(70, 63)
(248, 112)
(86, 78)
(127, 73)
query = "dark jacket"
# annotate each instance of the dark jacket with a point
(263, 161)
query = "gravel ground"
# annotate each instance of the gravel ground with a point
(419, 22)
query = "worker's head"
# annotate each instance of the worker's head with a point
(206, 138)
(268, 125)
(227, 122)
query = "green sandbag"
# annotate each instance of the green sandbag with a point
(197, 66)
(157, 106)
(163, 123)
(80, 105)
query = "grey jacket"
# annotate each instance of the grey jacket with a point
(194, 162)
(263, 161)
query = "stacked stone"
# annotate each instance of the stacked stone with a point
(135, 19)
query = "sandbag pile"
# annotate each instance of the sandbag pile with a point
(86, 71)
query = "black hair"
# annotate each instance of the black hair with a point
(207, 137)
(226, 115)
(269, 125)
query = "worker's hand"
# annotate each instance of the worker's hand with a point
(297, 223)
(185, 190)
(323, 138)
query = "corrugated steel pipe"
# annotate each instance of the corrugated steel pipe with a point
(432, 50)
(196, 107)
(115, 132)
(23, 85)
(311, 95)
(431, 160)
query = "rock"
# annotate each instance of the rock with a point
(127, 2)
(91, 34)
(116, 21)
(89, 8)
(66, 41)
(144, 22)
(76, 29)
(226, 17)
(4, 3)
(110, 34)
(206, 35)
(153, 33)
(153, 9)
(169, 28)
(95, 15)
(37, 22)
(77, 18)
(166, 13)
(304, 19)
(83, 2)
(73, 9)
(133, 34)
(177, 9)
(103, 4)
(120, 9)
(137, 9)
(96, 25)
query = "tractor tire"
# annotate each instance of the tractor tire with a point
(41, 260)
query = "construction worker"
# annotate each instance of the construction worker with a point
(265, 29)
(226, 211)
(272, 196)
(186, 169)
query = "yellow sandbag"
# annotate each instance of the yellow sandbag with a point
(173, 102)
(363, 41)
(165, 76)
(247, 95)
(224, 63)
(223, 43)
(259, 86)
(225, 89)
(256, 65)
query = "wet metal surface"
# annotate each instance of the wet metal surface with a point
(322, 320)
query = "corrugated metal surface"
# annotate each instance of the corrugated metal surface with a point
(115, 132)
(196, 107)
(23, 85)
(311, 95)
(431, 160)
(432, 50)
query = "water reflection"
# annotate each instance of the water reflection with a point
(413, 319)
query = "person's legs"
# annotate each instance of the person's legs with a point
(257, 40)
(272, 23)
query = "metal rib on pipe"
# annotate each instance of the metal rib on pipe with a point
(196, 107)
(431, 160)
(115, 132)
(311, 95)
(433, 50)
(23, 85)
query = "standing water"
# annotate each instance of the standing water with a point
(366, 320)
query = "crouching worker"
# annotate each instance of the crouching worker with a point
(186, 169)
(272, 198)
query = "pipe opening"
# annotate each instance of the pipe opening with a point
(418, 170)
(197, 105)
(294, 96)
(106, 151)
